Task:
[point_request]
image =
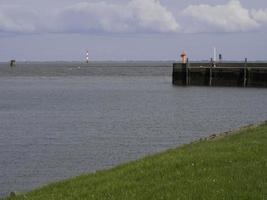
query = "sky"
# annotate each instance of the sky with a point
(38, 30)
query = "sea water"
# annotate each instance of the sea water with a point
(59, 120)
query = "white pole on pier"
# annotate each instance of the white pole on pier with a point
(214, 54)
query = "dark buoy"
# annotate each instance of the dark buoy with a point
(12, 63)
(13, 194)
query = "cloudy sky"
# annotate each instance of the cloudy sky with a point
(132, 29)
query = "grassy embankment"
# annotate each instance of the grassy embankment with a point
(229, 166)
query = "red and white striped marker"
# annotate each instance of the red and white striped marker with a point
(87, 56)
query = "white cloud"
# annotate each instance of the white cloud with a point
(133, 16)
(94, 17)
(230, 17)
(136, 16)
(18, 19)
(150, 14)
(259, 15)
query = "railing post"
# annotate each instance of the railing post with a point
(210, 78)
(187, 71)
(245, 73)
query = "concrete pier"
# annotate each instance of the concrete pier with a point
(238, 74)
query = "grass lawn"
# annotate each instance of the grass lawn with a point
(232, 166)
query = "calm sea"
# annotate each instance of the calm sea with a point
(59, 120)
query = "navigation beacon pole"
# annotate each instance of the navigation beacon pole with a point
(214, 56)
(87, 57)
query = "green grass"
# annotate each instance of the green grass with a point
(227, 167)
